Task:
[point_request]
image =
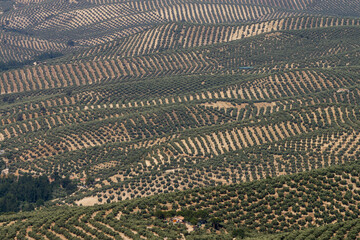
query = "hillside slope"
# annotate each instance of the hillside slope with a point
(277, 204)
(123, 120)
(240, 115)
(70, 25)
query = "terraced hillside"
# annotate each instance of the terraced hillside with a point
(293, 202)
(152, 121)
(174, 36)
(241, 116)
(31, 28)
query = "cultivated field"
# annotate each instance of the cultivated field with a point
(241, 116)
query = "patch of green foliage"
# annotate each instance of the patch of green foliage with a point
(27, 192)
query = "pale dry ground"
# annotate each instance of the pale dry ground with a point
(222, 104)
(88, 201)
(226, 105)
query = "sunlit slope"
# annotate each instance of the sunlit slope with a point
(264, 53)
(206, 113)
(246, 109)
